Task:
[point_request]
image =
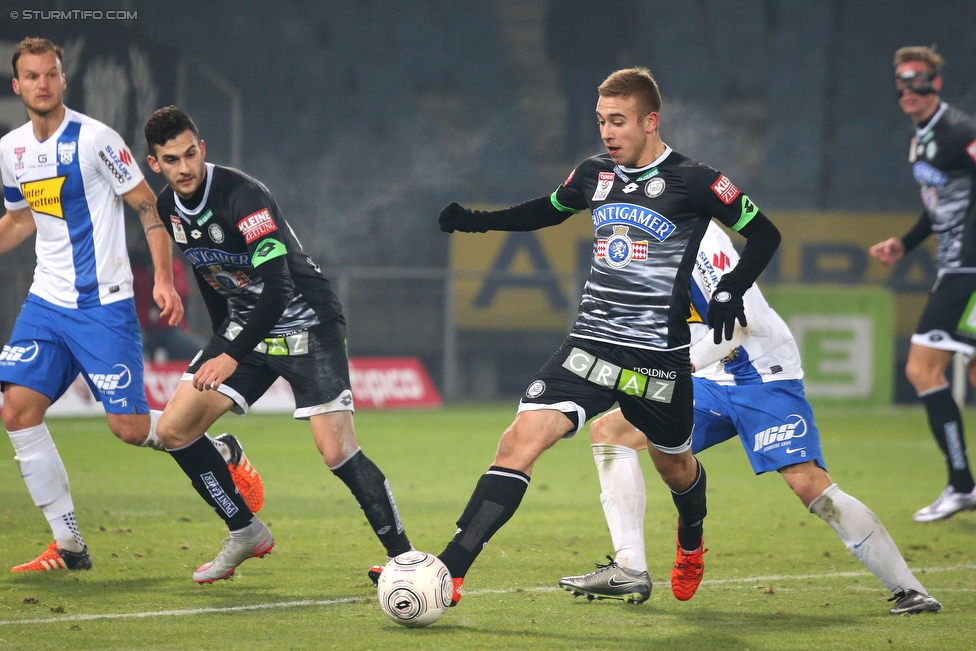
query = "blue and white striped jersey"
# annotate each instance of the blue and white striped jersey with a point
(72, 183)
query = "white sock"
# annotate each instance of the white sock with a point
(152, 441)
(47, 482)
(865, 537)
(624, 499)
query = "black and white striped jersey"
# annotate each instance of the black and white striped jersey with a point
(647, 225)
(943, 158)
(227, 230)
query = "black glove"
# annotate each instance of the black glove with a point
(723, 310)
(456, 217)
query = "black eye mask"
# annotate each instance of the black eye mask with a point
(919, 83)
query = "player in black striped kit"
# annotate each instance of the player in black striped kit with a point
(943, 158)
(273, 314)
(650, 208)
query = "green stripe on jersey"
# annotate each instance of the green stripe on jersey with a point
(559, 206)
(749, 210)
(269, 250)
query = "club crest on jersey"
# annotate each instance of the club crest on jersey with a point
(256, 225)
(725, 190)
(178, 233)
(66, 152)
(216, 233)
(19, 153)
(655, 187)
(619, 250)
(603, 186)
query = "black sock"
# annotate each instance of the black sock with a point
(209, 475)
(372, 491)
(691, 512)
(946, 423)
(494, 501)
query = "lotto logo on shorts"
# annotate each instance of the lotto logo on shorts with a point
(225, 503)
(725, 190)
(257, 225)
(108, 382)
(780, 435)
(14, 354)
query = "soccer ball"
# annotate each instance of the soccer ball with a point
(415, 589)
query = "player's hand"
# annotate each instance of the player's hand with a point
(723, 310)
(888, 252)
(213, 372)
(456, 217)
(169, 302)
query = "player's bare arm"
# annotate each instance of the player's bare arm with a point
(142, 199)
(15, 227)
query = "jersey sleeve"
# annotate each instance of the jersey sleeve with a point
(114, 161)
(13, 198)
(715, 195)
(569, 196)
(253, 216)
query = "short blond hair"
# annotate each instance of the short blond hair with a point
(634, 82)
(923, 53)
(35, 45)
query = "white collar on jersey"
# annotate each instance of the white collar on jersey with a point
(654, 163)
(203, 202)
(921, 131)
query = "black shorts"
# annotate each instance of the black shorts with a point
(949, 319)
(313, 361)
(654, 388)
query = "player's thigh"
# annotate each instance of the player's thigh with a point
(713, 419)
(36, 356)
(776, 425)
(532, 433)
(105, 341)
(612, 428)
(250, 380)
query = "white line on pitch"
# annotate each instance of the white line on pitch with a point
(307, 603)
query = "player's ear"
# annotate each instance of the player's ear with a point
(153, 164)
(651, 122)
(937, 83)
(203, 148)
(16, 86)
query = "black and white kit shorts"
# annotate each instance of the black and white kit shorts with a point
(654, 389)
(948, 321)
(313, 361)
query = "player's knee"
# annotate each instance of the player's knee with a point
(601, 431)
(17, 416)
(128, 431)
(924, 376)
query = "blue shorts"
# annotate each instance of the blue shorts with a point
(50, 345)
(773, 420)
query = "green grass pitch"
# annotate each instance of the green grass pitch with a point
(776, 577)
